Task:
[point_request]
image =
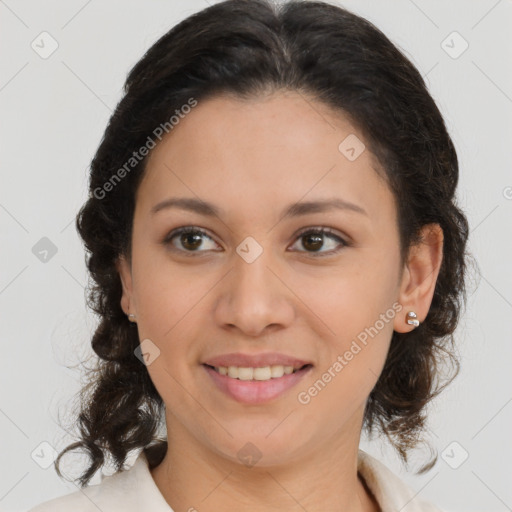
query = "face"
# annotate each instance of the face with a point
(319, 286)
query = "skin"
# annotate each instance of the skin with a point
(251, 159)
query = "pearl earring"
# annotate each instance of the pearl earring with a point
(412, 319)
(131, 317)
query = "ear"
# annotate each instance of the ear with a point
(125, 273)
(420, 276)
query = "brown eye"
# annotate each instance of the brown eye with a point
(313, 240)
(190, 239)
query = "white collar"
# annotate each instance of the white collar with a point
(134, 489)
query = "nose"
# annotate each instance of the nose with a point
(254, 297)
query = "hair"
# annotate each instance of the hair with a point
(335, 57)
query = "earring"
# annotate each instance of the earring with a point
(131, 317)
(412, 319)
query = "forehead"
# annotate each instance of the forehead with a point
(272, 149)
(259, 126)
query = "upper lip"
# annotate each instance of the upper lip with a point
(255, 360)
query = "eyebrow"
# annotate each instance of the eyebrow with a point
(294, 210)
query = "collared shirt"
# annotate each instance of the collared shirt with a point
(134, 490)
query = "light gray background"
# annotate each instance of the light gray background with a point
(53, 114)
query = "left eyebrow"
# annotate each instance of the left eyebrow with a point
(305, 208)
(294, 210)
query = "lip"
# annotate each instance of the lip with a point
(256, 360)
(253, 391)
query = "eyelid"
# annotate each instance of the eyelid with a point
(323, 229)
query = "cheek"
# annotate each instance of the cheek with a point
(169, 308)
(166, 294)
(358, 305)
(354, 297)
(352, 358)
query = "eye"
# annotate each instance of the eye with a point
(190, 238)
(313, 239)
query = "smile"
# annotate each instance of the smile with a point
(256, 385)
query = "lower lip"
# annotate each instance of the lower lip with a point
(256, 391)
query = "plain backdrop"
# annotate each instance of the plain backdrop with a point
(54, 109)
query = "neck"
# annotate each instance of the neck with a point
(194, 477)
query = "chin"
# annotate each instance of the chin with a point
(261, 449)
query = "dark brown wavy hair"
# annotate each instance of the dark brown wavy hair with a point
(250, 48)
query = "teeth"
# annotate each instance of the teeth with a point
(262, 373)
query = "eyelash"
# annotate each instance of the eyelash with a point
(322, 231)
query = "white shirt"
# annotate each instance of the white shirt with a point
(134, 490)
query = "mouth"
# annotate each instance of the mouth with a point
(261, 373)
(256, 385)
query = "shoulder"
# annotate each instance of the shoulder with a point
(75, 501)
(389, 490)
(96, 497)
(125, 491)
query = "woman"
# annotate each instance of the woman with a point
(279, 263)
